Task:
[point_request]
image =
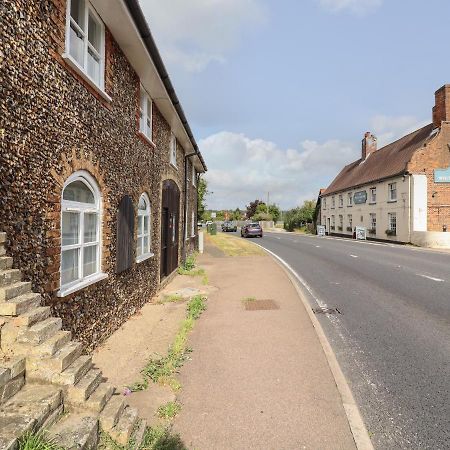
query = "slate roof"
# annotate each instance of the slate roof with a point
(384, 163)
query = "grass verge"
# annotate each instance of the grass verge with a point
(162, 369)
(234, 246)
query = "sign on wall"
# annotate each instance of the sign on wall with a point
(360, 197)
(442, 175)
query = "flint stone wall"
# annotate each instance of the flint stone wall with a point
(52, 124)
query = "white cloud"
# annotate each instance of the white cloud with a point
(192, 34)
(243, 169)
(359, 7)
(388, 129)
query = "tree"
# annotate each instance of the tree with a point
(251, 208)
(275, 212)
(236, 214)
(298, 217)
(202, 192)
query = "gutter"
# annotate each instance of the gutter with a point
(141, 23)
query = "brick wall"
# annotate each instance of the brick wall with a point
(53, 123)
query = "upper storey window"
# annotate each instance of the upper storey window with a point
(85, 40)
(173, 150)
(145, 124)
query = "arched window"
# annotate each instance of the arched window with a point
(80, 233)
(143, 250)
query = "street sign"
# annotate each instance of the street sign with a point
(320, 230)
(360, 197)
(442, 175)
(361, 233)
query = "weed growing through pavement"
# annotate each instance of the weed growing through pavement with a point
(169, 410)
(249, 299)
(37, 441)
(161, 369)
(173, 298)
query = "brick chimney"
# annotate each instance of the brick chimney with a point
(441, 110)
(369, 145)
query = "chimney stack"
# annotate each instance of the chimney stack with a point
(441, 110)
(369, 145)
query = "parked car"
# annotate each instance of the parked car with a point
(228, 226)
(252, 229)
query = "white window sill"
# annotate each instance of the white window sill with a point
(141, 258)
(85, 283)
(173, 165)
(147, 138)
(70, 61)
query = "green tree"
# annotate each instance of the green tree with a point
(236, 214)
(202, 192)
(298, 217)
(275, 212)
(251, 208)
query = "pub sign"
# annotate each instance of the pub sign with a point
(442, 175)
(360, 197)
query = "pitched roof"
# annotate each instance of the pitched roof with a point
(386, 162)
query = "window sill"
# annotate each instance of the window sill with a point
(392, 201)
(372, 203)
(69, 60)
(85, 283)
(173, 165)
(146, 139)
(141, 258)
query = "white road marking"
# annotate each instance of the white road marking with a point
(317, 246)
(430, 278)
(353, 256)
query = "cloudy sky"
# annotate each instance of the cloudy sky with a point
(280, 93)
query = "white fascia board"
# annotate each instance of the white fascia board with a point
(117, 18)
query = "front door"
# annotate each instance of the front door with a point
(169, 227)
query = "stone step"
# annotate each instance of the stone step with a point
(124, 428)
(28, 410)
(137, 438)
(32, 316)
(21, 304)
(85, 387)
(76, 431)
(14, 290)
(40, 331)
(6, 262)
(13, 365)
(98, 399)
(54, 343)
(10, 276)
(73, 374)
(111, 412)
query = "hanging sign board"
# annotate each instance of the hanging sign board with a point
(360, 197)
(320, 230)
(442, 175)
(360, 233)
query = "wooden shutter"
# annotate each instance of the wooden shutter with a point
(125, 234)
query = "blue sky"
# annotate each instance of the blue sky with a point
(280, 93)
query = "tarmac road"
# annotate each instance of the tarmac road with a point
(391, 335)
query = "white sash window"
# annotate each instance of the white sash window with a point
(143, 229)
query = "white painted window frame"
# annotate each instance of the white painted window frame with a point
(350, 199)
(350, 220)
(333, 202)
(145, 116)
(392, 223)
(392, 187)
(141, 233)
(373, 195)
(194, 176)
(173, 150)
(88, 8)
(82, 209)
(193, 227)
(373, 221)
(341, 201)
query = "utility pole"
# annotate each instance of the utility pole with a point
(267, 205)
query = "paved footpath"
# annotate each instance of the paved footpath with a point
(257, 379)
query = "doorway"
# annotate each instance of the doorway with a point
(170, 209)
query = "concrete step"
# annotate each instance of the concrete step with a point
(32, 316)
(123, 430)
(76, 431)
(14, 290)
(73, 374)
(6, 262)
(29, 409)
(137, 436)
(21, 304)
(10, 276)
(85, 387)
(40, 331)
(111, 412)
(98, 399)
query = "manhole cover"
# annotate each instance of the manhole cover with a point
(326, 310)
(260, 305)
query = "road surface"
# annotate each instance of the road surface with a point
(391, 335)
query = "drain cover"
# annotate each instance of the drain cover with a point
(326, 310)
(260, 305)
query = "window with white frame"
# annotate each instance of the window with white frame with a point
(85, 39)
(392, 219)
(333, 202)
(173, 150)
(350, 199)
(143, 248)
(341, 222)
(193, 224)
(332, 221)
(80, 231)
(392, 189)
(350, 222)
(145, 114)
(373, 221)
(194, 176)
(341, 201)
(373, 195)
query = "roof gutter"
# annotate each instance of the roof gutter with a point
(141, 23)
